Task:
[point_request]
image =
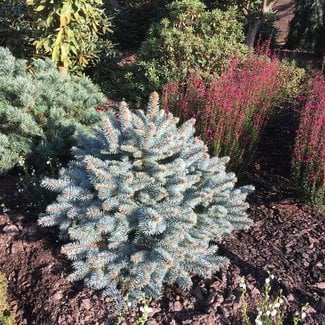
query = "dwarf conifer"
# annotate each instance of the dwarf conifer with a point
(143, 204)
(40, 109)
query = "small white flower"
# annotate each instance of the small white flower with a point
(268, 313)
(272, 276)
(296, 313)
(48, 162)
(281, 301)
(303, 315)
(145, 309)
(242, 285)
(277, 305)
(273, 312)
(129, 304)
(267, 281)
(258, 322)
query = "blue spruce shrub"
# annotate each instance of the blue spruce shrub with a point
(40, 109)
(143, 204)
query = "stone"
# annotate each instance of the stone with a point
(58, 295)
(10, 229)
(320, 285)
(85, 303)
(177, 306)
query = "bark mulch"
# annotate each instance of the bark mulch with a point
(286, 239)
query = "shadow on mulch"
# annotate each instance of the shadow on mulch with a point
(270, 170)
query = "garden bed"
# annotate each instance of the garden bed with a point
(40, 112)
(286, 240)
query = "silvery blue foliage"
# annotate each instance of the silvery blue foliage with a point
(40, 110)
(143, 203)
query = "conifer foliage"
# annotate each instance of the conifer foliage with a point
(40, 109)
(142, 204)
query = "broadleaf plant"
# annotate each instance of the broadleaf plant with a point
(143, 204)
(70, 31)
(191, 38)
(256, 13)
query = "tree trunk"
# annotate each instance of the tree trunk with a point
(253, 27)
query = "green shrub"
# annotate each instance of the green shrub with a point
(5, 316)
(142, 204)
(292, 79)
(40, 109)
(191, 38)
(176, 45)
(258, 17)
(70, 32)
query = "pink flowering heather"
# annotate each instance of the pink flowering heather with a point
(309, 153)
(231, 110)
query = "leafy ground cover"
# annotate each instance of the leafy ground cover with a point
(286, 240)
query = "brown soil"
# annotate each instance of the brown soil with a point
(286, 239)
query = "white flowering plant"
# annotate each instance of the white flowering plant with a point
(28, 184)
(143, 309)
(300, 316)
(269, 311)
